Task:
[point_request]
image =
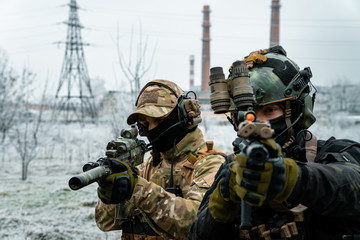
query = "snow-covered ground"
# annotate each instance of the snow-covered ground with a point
(43, 206)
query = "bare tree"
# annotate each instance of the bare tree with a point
(135, 68)
(120, 108)
(10, 96)
(28, 127)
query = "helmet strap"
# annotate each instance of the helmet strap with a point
(289, 142)
(288, 118)
(290, 130)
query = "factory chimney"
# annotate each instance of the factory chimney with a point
(275, 20)
(205, 50)
(191, 87)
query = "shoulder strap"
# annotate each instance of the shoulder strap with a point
(339, 150)
(208, 150)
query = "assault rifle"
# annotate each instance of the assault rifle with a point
(257, 154)
(126, 148)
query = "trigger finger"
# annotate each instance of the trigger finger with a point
(249, 185)
(251, 175)
(272, 146)
(241, 160)
(240, 191)
(118, 166)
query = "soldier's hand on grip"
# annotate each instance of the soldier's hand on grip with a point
(119, 185)
(263, 174)
(224, 203)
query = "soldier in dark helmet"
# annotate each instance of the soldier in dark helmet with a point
(306, 188)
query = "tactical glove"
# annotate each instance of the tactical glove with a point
(119, 185)
(224, 204)
(263, 174)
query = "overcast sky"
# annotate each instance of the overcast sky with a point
(322, 34)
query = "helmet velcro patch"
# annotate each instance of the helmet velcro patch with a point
(148, 97)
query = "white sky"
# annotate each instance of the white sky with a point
(322, 34)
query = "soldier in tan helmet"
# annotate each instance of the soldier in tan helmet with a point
(162, 198)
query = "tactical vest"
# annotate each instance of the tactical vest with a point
(183, 174)
(288, 225)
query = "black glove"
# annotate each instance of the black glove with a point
(119, 185)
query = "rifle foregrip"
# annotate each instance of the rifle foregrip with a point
(88, 177)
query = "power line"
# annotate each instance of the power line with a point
(28, 12)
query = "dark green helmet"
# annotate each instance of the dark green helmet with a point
(277, 79)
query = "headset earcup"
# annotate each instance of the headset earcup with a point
(189, 112)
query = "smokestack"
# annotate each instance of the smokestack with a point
(275, 20)
(191, 72)
(205, 50)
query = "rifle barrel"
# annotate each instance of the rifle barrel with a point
(88, 177)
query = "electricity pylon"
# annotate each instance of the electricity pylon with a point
(76, 100)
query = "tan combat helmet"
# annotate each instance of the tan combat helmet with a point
(156, 99)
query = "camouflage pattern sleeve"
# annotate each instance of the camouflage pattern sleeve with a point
(332, 189)
(105, 216)
(171, 216)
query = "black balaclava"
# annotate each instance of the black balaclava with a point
(296, 149)
(166, 141)
(279, 125)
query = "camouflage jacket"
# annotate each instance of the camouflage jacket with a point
(327, 195)
(169, 216)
